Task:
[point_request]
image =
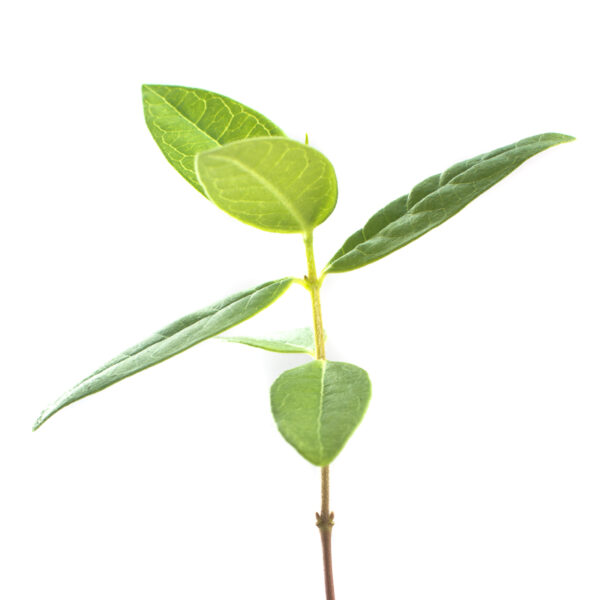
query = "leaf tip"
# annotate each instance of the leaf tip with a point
(38, 422)
(556, 138)
(45, 415)
(563, 138)
(146, 87)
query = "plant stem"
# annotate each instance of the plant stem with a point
(325, 525)
(324, 518)
(314, 286)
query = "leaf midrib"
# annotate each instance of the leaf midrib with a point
(176, 110)
(266, 183)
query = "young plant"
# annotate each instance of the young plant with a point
(245, 164)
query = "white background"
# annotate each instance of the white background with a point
(475, 474)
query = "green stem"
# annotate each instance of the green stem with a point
(325, 517)
(314, 287)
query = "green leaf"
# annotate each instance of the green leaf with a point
(296, 340)
(317, 407)
(173, 339)
(184, 121)
(275, 183)
(433, 201)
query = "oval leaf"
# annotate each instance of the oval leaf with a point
(173, 339)
(275, 184)
(433, 201)
(317, 407)
(296, 340)
(184, 121)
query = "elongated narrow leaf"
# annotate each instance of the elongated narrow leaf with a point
(317, 407)
(184, 121)
(296, 340)
(173, 339)
(433, 201)
(274, 183)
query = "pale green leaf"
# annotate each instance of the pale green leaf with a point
(433, 201)
(272, 183)
(317, 407)
(185, 121)
(295, 340)
(173, 339)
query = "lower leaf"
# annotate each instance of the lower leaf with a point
(318, 406)
(173, 339)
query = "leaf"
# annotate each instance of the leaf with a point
(296, 340)
(184, 121)
(317, 407)
(433, 201)
(275, 183)
(172, 340)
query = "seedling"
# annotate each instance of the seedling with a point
(245, 164)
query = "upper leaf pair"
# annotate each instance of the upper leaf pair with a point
(240, 160)
(244, 163)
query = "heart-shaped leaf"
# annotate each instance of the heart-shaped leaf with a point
(172, 340)
(272, 183)
(296, 340)
(317, 407)
(433, 201)
(184, 121)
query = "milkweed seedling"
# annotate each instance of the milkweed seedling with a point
(247, 166)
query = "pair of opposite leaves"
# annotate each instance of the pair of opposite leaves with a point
(244, 164)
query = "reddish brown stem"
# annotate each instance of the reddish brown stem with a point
(325, 525)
